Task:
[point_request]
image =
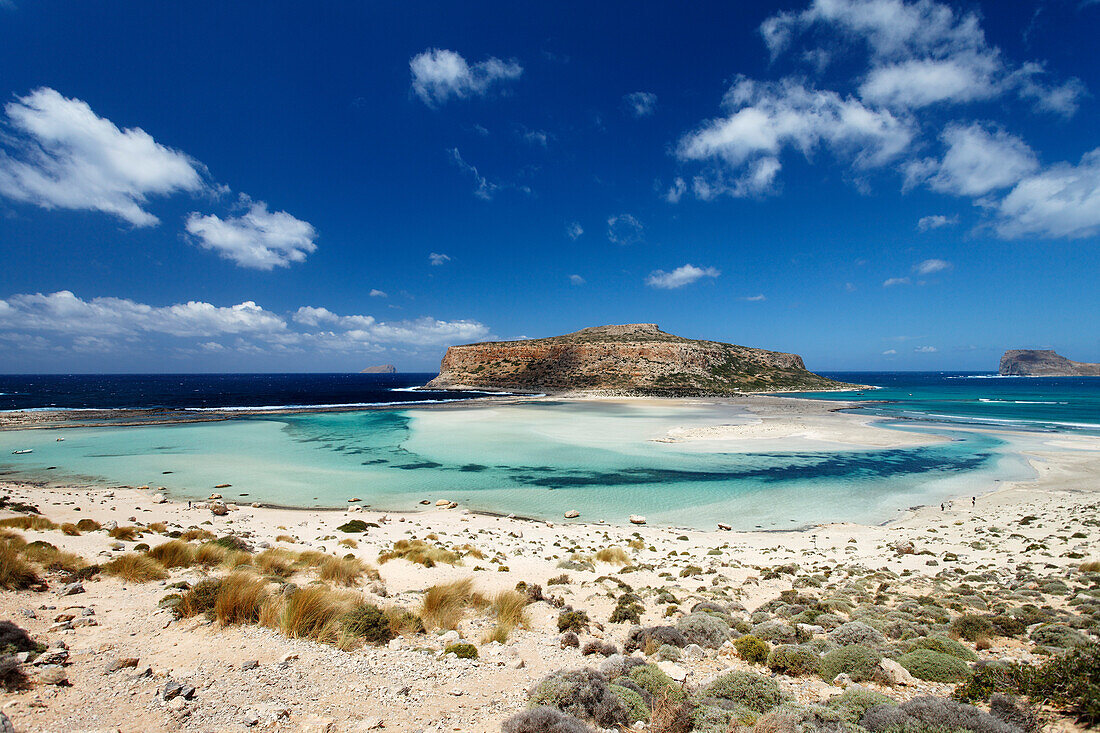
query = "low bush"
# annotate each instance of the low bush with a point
(1059, 636)
(569, 640)
(704, 629)
(462, 650)
(355, 525)
(125, 534)
(199, 598)
(971, 627)
(635, 704)
(855, 701)
(613, 556)
(925, 664)
(656, 683)
(135, 568)
(750, 690)
(603, 648)
(794, 660)
(582, 693)
(575, 621)
(543, 719)
(628, 609)
(751, 649)
(932, 714)
(70, 529)
(641, 637)
(944, 645)
(857, 632)
(420, 552)
(88, 525)
(855, 660)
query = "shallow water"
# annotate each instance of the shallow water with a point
(537, 459)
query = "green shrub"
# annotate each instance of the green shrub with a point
(1060, 636)
(658, 684)
(583, 693)
(971, 627)
(794, 660)
(855, 701)
(706, 630)
(944, 645)
(462, 650)
(926, 664)
(635, 705)
(369, 623)
(575, 621)
(201, 598)
(932, 715)
(750, 690)
(628, 609)
(355, 525)
(1007, 626)
(855, 660)
(543, 719)
(857, 632)
(751, 649)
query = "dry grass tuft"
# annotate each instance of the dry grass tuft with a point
(613, 556)
(15, 572)
(196, 533)
(125, 534)
(241, 598)
(136, 568)
(444, 605)
(510, 609)
(285, 538)
(276, 562)
(209, 554)
(312, 559)
(403, 621)
(237, 559)
(158, 527)
(420, 552)
(29, 521)
(471, 551)
(88, 525)
(315, 612)
(173, 554)
(70, 529)
(345, 571)
(51, 558)
(636, 544)
(349, 543)
(11, 537)
(1091, 566)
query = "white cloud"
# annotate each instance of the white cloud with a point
(376, 293)
(681, 276)
(484, 188)
(640, 104)
(979, 160)
(64, 312)
(438, 258)
(537, 137)
(754, 298)
(439, 74)
(574, 230)
(922, 82)
(624, 229)
(676, 191)
(929, 267)
(892, 281)
(936, 221)
(890, 352)
(764, 118)
(62, 155)
(577, 280)
(259, 238)
(1062, 200)
(424, 331)
(926, 349)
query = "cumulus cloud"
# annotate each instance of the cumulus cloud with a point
(1061, 201)
(979, 160)
(624, 229)
(62, 155)
(932, 266)
(640, 104)
(438, 258)
(681, 276)
(424, 331)
(936, 221)
(574, 230)
(259, 239)
(439, 75)
(764, 118)
(892, 281)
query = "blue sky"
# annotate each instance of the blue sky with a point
(874, 184)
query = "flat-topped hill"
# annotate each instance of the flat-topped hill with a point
(636, 358)
(1044, 363)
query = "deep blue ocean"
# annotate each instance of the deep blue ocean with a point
(205, 391)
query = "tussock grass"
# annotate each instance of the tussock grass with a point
(51, 558)
(315, 613)
(312, 559)
(285, 538)
(136, 568)
(276, 562)
(468, 550)
(196, 533)
(1091, 566)
(88, 525)
(15, 572)
(30, 521)
(510, 609)
(613, 556)
(636, 544)
(444, 605)
(173, 554)
(349, 543)
(125, 534)
(11, 537)
(241, 599)
(402, 621)
(237, 559)
(70, 529)
(420, 552)
(158, 527)
(210, 554)
(345, 571)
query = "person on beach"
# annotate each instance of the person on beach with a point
(942, 507)
(973, 501)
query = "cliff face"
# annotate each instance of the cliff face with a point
(634, 358)
(1044, 363)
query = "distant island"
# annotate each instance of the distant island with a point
(1044, 363)
(380, 369)
(636, 358)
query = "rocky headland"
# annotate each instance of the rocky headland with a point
(1044, 363)
(636, 358)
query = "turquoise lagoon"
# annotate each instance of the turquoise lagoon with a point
(535, 459)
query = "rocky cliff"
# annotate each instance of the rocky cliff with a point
(635, 358)
(1044, 363)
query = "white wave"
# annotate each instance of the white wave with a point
(270, 408)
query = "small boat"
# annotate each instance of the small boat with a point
(60, 440)
(21, 452)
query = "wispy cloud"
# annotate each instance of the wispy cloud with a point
(577, 280)
(926, 350)
(681, 276)
(754, 298)
(438, 258)
(574, 230)
(936, 221)
(376, 293)
(929, 267)
(640, 104)
(624, 229)
(439, 75)
(892, 281)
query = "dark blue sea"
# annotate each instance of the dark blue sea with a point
(206, 391)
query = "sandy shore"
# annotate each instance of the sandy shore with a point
(409, 685)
